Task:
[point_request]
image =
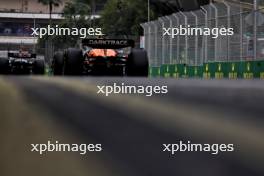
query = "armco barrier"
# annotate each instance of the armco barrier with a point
(217, 70)
(154, 71)
(209, 70)
(221, 70)
(195, 71)
(234, 70)
(165, 71)
(248, 70)
(258, 69)
(175, 70)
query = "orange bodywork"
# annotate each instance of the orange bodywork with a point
(102, 53)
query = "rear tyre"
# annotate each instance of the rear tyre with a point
(137, 64)
(73, 62)
(58, 63)
(39, 67)
(4, 66)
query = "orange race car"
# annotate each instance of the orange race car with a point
(103, 57)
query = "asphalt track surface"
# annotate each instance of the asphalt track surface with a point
(133, 128)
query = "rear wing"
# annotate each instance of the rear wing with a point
(108, 43)
(17, 55)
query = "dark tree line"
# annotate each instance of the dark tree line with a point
(118, 18)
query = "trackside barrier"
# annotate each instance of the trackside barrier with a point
(195, 71)
(154, 72)
(176, 71)
(211, 70)
(240, 55)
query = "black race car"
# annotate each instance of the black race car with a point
(102, 57)
(22, 62)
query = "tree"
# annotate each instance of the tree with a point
(51, 4)
(76, 15)
(123, 17)
(76, 10)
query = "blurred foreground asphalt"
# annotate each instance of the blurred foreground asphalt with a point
(131, 128)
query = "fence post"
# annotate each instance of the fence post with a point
(178, 40)
(206, 38)
(241, 33)
(156, 43)
(196, 39)
(170, 44)
(216, 25)
(186, 38)
(160, 19)
(228, 26)
(255, 28)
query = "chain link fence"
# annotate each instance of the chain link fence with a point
(246, 43)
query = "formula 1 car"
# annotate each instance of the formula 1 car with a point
(22, 62)
(102, 57)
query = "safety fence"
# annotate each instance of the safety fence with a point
(240, 55)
